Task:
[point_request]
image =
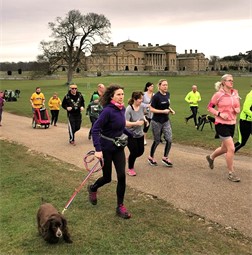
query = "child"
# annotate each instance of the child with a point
(93, 110)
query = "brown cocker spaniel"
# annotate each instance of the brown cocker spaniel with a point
(52, 225)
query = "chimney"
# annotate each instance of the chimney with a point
(196, 51)
(190, 51)
(157, 44)
(185, 51)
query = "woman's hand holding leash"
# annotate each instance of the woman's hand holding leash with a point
(98, 154)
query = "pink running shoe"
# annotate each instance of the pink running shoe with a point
(131, 172)
(121, 211)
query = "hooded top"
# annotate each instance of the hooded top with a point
(226, 103)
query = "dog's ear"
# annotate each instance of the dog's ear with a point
(45, 227)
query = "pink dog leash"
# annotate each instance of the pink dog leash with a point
(88, 158)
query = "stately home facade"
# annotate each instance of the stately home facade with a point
(241, 64)
(130, 56)
(192, 61)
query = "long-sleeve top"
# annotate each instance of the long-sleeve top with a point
(74, 101)
(111, 123)
(225, 103)
(193, 98)
(54, 103)
(1, 103)
(94, 109)
(246, 113)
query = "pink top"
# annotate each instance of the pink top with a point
(226, 103)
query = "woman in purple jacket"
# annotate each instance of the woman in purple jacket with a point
(110, 124)
(1, 105)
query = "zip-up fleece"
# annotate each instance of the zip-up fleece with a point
(225, 103)
(246, 113)
(111, 123)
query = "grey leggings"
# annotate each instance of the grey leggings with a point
(166, 130)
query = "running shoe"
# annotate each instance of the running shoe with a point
(131, 172)
(152, 161)
(92, 195)
(121, 211)
(167, 162)
(210, 161)
(233, 178)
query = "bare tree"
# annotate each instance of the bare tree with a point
(213, 59)
(52, 55)
(77, 33)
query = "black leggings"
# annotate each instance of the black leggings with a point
(136, 148)
(118, 158)
(194, 110)
(54, 118)
(245, 130)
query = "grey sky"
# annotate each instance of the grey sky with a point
(213, 27)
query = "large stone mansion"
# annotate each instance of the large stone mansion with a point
(130, 56)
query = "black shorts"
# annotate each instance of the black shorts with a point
(224, 130)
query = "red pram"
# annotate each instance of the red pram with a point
(40, 118)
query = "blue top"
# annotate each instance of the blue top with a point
(160, 102)
(111, 123)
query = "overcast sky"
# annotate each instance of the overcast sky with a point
(213, 27)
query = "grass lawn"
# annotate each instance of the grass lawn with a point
(155, 228)
(178, 86)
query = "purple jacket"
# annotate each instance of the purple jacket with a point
(111, 123)
(1, 103)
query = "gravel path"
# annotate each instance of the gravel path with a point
(190, 185)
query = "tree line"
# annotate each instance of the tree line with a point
(37, 66)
